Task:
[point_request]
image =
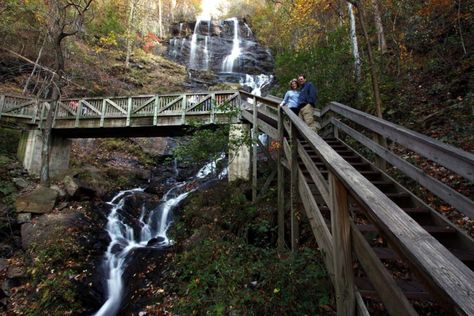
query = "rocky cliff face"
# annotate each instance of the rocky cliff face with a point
(227, 46)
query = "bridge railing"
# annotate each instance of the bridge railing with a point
(338, 237)
(344, 121)
(78, 110)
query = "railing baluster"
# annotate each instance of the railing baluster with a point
(294, 187)
(281, 186)
(341, 232)
(129, 110)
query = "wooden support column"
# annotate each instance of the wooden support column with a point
(183, 115)
(2, 104)
(129, 110)
(341, 233)
(281, 185)
(155, 110)
(294, 187)
(102, 112)
(254, 150)
(78, 113)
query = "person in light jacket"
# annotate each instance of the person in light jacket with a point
(291, 97)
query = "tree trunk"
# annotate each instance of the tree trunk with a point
(160, 17)
(25, 88)
(354, 44)
(373, 66)
(129, 33)
(382, 44)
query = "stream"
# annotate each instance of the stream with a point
(149, 230)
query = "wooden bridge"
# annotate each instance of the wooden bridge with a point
(367, 225)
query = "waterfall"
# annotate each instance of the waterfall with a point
(256, 82)
(228, 64)
(192, 55)
(152, 233)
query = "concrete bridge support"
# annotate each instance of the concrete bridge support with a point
(29, 152)
(239, 160)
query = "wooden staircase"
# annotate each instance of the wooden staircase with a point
(452, 237)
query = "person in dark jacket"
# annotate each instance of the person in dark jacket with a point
(307, 101)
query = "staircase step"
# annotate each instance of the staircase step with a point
(368, 228)
(411, 289)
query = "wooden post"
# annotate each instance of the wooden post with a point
(213, 106)
(78, 113)
(2, 104)
(379, 161)
(129, 110)
(341, 233)
(102, 114)
(254, 150)
(155, 110)
(294, 187)
(35, 111)
(183, 115)
(281, 185)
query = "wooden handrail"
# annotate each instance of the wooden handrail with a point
(446, 155)
(439, 268)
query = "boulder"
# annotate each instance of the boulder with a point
(47, 227)
(23, 218)
(70, 185)
(39, 201)
(60, 191)
(20, 183)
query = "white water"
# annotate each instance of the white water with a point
(228, 64)
(256, 82)
(122, 236)
(192, 55)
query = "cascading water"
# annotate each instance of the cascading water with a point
(192, 55)
(228, 64)
(151, 232)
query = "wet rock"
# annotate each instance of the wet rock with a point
(3, 264)
(15, 272)
(48, 227)
(20, 183)
(23, 218)
(70, 185)
(39, 201)
(60, 191)
(155, 241)
(9, 284)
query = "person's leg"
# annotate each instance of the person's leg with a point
(295, 110)
(307, 114)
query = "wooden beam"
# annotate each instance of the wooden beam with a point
(341, 232)
(294, 188)
(152, 99)
(387, 289)
(315, 174)
(129, 111)
(446, 155)
(281, 186)
(435, 186)
(115, 105)
(254, 151)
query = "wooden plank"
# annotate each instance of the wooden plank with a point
(435, 186)
(439, 268)
(294, 233)
(102, 114)
(254, 152)
(129, 111)
(143, 105)
(90, 106)
(2, 104)
(446, 155)
(22, 105)
(317, 222)
(67, 108)
(155, 110)
(361, 308)
(281, 186)
(199, 103)
(341, 232)
(115, 105)
(393, 298)
(268, 129)
(315, 174)
(183, 109)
